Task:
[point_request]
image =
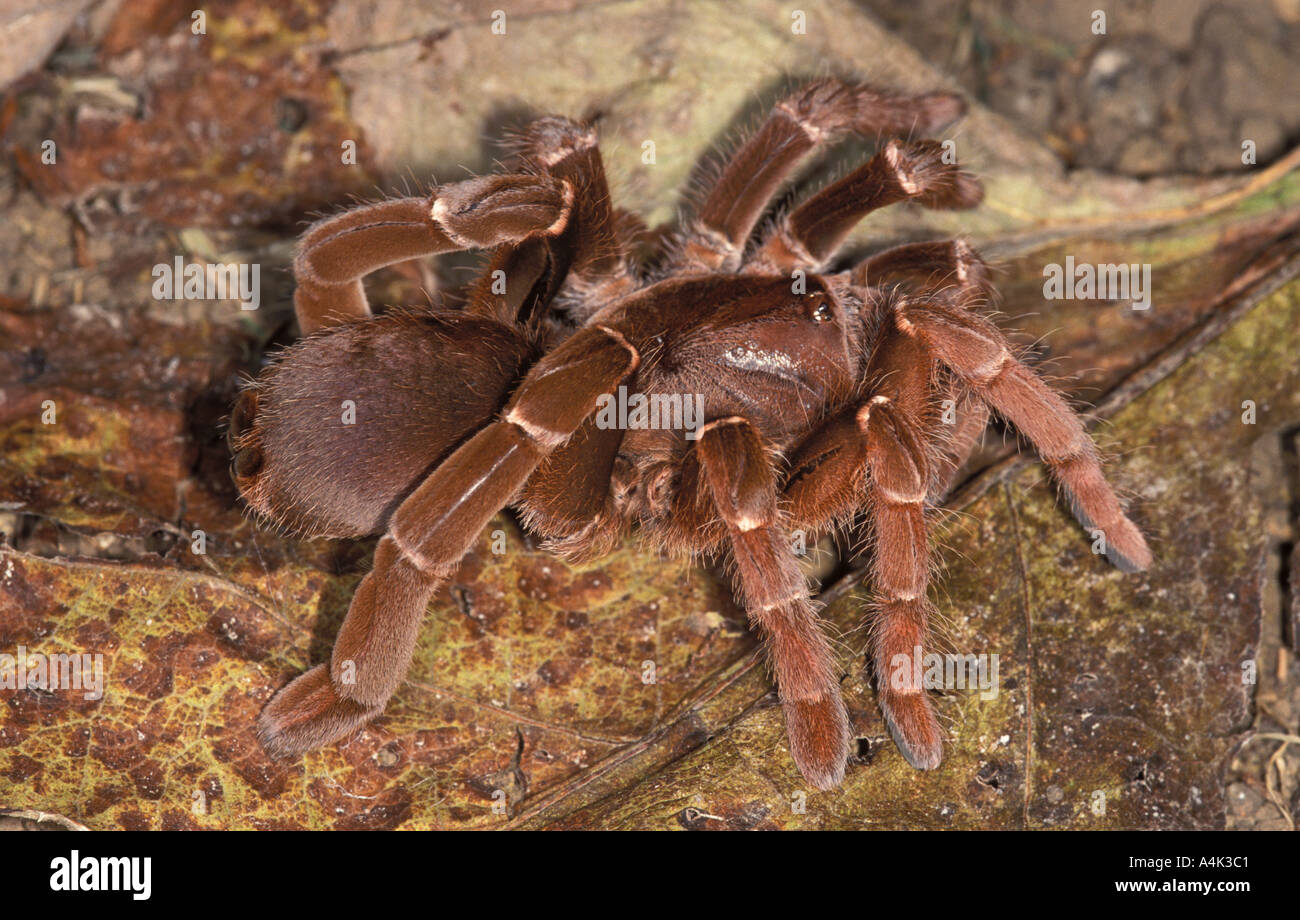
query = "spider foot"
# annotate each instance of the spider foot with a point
(930, 178)
(915, 728)
(1127, 549)
(552, 139)
(1125, 546)
(819, 738)
(1095, 507)
(309, 714)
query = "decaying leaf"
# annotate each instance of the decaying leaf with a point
(625, 693)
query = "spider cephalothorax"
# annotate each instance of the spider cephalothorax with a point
(820, 398)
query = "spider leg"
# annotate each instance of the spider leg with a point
(430, 532)
(943, 269)
(970, 421)
(517, 283)
(741, 481)
(568, 501)
(598, 272)
(900, 568)
(336, 253)
(810, 235)
(977, 352)
(816, 113)
(827, 473)
(586, 263)
(875, 452)
(934, 266)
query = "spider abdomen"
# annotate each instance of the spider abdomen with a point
(346, 422)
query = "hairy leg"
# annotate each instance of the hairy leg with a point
(977, 352)
(949, 270)
(935, 267)
(873, 455)
(740, 478)
(900, 567)
(430, 532)
(336, 253)
(811, 234)
(958, 438)
(586, 264)
(815, 114)
(598, 272)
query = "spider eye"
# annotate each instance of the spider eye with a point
(822, 313)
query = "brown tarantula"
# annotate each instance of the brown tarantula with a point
(821, 396)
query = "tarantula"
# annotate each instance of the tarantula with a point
(821, 394)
